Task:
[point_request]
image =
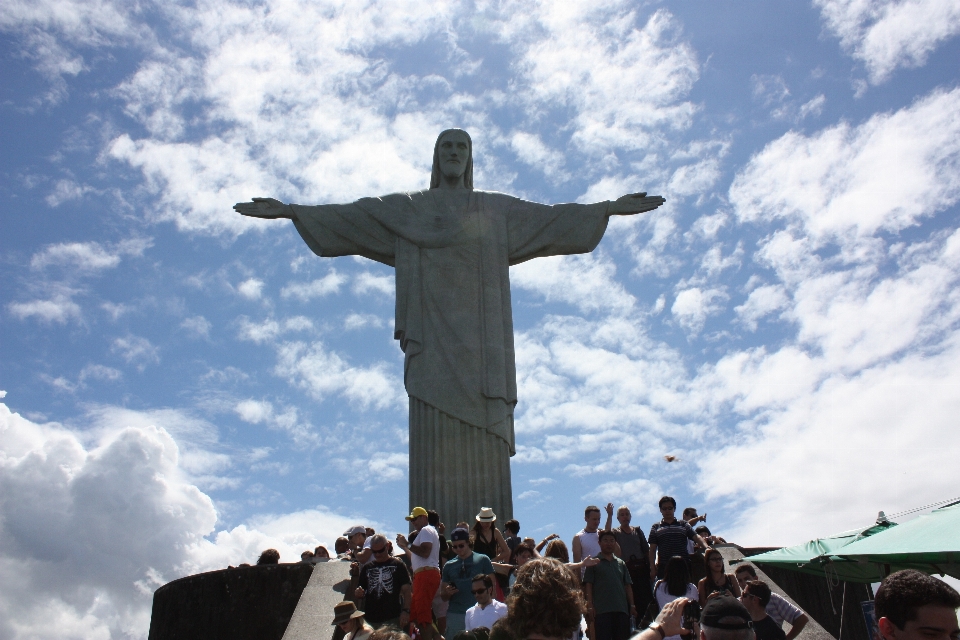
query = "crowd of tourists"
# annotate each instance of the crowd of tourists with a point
(479, 583)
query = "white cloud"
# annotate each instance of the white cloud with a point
(640, 494)
(356, 321)
(50, 32)
(652, 255)
(95, 521)
(324, 373)
(623, 82)
(83, 524)
(60, 308)
(378, 468)
(305, 291)
(136, 350)
(251, 289)
(266, 331)
(66, 190)
(586, 281)
(297, 323)
(692, 307)
(99, 372)
(714, 262)
(91, 371)
(531, 151)
(530, 493)
(366, 282)
(115, 310)
(541, 481)
(270, 329)
(88, 256)
(762, 301)
(861, 437)
(692, 179)
(813, 107)
(308, 64)
(254, 411)
(888, 34)
(889, 173)
(197, 326)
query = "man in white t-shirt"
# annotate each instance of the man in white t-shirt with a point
(425, 561)
(487, 610)
(585, 542)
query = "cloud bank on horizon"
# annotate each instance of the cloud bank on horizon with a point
(185, 387)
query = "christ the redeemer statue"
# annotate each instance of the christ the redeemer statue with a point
(452, 247)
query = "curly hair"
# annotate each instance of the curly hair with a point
(558, 550)
(902, 593)
(545, 600)
(388, 633)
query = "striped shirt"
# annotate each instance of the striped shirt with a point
(671, 539)
(780, 610)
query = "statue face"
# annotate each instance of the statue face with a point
(453, 154)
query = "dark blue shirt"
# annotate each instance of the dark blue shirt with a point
(671, 539)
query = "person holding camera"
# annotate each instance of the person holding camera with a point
(724, 618)
(609, 592)
(676, 585)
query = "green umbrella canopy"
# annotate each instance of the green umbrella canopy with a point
(930, 543)
(819, 557)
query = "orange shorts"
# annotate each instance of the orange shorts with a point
(425, 585)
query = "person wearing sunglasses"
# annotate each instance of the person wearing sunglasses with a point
(756, 596)
(457, 578)
(385, 587)
(487, 610)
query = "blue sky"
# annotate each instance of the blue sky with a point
(185, 387)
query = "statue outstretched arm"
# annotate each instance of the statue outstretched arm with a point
(265, 208)
(633, 203)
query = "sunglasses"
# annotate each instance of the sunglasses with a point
(462, 545)
(380, 550)
(477, 592)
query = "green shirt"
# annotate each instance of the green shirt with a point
(609, 591)
(460, 574)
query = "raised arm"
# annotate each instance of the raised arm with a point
(503, 549)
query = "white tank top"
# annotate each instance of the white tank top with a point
(589, 543)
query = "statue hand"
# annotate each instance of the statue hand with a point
(634, 203)
(264, 208)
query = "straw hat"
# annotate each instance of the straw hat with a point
(486, 515)
(345, 611)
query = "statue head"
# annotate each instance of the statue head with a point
(463, 167)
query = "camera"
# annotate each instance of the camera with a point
(691, 614)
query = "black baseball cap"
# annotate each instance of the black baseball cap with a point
(725, 612)
(459, 535)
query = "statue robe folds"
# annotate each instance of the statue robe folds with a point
(452, 250)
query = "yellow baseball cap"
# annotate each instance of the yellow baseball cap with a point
(416, 513)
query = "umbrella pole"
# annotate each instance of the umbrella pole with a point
(843, 606)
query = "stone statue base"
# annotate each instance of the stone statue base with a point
(456, 468)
